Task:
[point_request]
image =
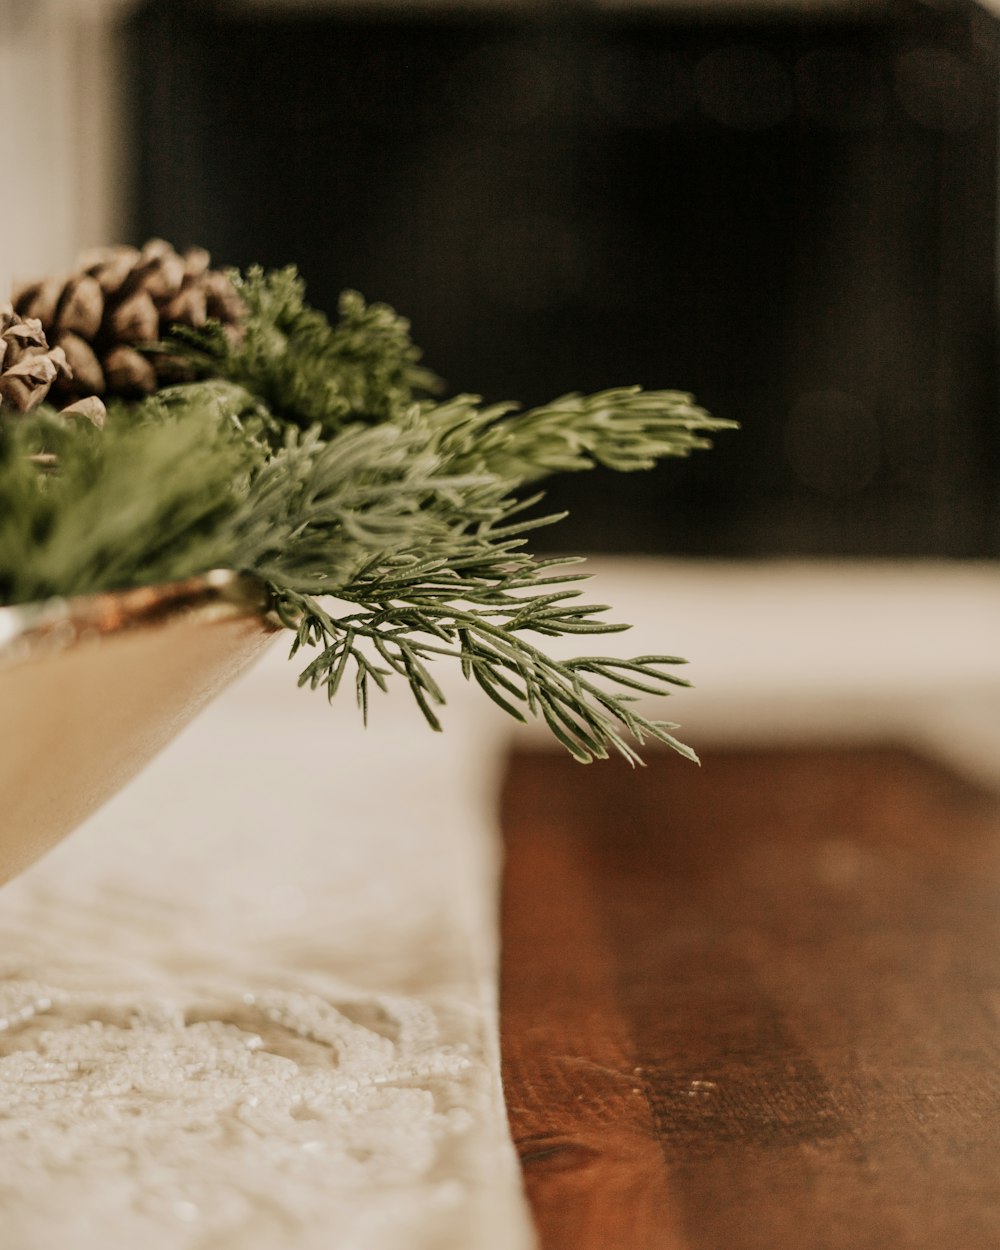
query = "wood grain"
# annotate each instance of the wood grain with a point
(756, 1005)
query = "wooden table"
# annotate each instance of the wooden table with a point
(756, 1005)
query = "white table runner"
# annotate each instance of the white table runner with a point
(252, 1002)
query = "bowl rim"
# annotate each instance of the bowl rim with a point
(29, 629)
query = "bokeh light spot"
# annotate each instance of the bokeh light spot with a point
(939, 89)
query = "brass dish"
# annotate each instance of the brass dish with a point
(92, 687)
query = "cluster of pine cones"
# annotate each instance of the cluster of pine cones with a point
(82, 338)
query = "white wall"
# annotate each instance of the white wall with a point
(61, 183)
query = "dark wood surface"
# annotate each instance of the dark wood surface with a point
(756, 1005)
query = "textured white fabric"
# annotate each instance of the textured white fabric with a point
(252, 1003)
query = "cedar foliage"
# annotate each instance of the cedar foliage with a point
(313, 456)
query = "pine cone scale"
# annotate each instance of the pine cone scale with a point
(20, 339)
(90, 408)
(81, 309)
(135, 320)
(129, 373)
(88, 376)
(162, 277)
(111, 267)
(189, 306)
(39, 301)
(197, 262)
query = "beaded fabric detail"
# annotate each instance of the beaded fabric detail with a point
(130, 1100)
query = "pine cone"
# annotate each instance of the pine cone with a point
(120, 298)
(30, 368)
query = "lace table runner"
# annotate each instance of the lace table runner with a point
(252, 1002)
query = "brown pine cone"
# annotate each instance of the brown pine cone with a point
(28, 365)
(119, 299)
(30, 368)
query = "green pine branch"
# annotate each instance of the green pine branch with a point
(140, 502)
(587, 717)
(625, 429)
(307, 371)
(310, 456)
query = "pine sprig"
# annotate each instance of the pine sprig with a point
(582, 713)
(362, 367)
(625, 429)
(444, 585)
(138, 503)
(310, 456)
(323, 514)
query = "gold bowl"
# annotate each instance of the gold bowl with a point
(93, 686)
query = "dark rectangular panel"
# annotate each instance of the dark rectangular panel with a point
(795, 218)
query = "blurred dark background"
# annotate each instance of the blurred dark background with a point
(792, 214)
